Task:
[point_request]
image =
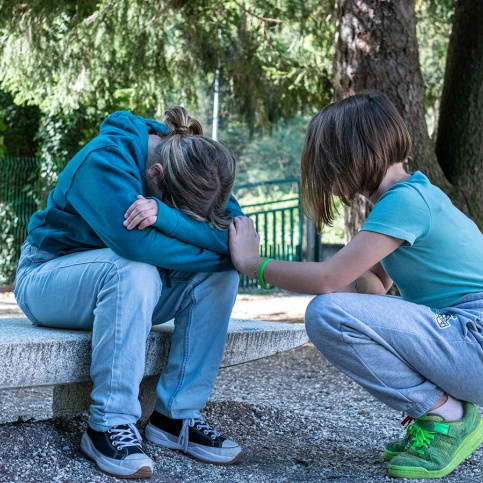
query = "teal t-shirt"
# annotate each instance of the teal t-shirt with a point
(441, 258)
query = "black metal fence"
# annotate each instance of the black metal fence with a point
(277, 214)
(19, 198)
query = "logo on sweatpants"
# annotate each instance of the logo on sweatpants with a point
(442, 318)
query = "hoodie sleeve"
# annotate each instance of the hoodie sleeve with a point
(233, 207)
(103, 189)
(193, 231)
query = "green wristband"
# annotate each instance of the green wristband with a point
(260, 275)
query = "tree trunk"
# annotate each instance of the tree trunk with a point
(459, 144)
(376, 48)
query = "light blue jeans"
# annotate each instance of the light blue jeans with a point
(119, 300)
(404, 354)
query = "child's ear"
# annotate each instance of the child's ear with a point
(155, 172)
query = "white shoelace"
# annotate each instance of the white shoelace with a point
(183, 438)
(124, 437)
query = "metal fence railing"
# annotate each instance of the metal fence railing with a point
(19, 198)
(277, 215)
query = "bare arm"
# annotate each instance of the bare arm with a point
(358, 259)
(374, 281)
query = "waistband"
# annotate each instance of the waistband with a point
(469, 298)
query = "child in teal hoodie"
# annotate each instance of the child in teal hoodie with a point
(97, 259)
(109, 173)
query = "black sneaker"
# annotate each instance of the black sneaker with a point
(193, 437)
(117, 451)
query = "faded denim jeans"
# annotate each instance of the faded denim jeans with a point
(404, 354)
(119, 300)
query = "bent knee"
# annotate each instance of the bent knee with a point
(138, 275)
(225, 281)
(227, 276)
(323, 316)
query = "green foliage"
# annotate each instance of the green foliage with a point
(138, 55)
(267, 155)
(18, 180)
(25, 183)
(18, 125)
(61, 136)
(3, 128)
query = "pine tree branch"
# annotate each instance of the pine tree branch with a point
(263, 19)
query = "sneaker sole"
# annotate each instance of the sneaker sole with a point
(198, 453)
(89, 452)
(467, 446)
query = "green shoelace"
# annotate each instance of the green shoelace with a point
(419, 437)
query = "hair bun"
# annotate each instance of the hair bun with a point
(182, 130)
(178, 122)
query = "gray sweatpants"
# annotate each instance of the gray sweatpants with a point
(404, 354)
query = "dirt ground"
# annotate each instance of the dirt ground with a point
(278, 306)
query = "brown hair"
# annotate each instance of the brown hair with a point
(198, 173)
(348, 148)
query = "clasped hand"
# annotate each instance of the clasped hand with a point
(142, 213)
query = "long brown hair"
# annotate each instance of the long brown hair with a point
(348, 149)
(198, 173)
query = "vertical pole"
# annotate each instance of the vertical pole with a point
(216, 96)
(284, 212)
(265, 233)
(301, 217)
(311, 242)
(274, 233)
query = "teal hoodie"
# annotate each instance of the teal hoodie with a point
(85, 210)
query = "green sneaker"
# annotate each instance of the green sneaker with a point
(393, 448)
(436, 447)
(397, 446)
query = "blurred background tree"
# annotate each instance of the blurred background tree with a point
(275, 60)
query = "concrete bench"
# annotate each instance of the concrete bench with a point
(45, 372)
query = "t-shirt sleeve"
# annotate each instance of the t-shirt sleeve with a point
(402, 213)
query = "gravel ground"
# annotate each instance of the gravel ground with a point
(296, 417)
(8, 306)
